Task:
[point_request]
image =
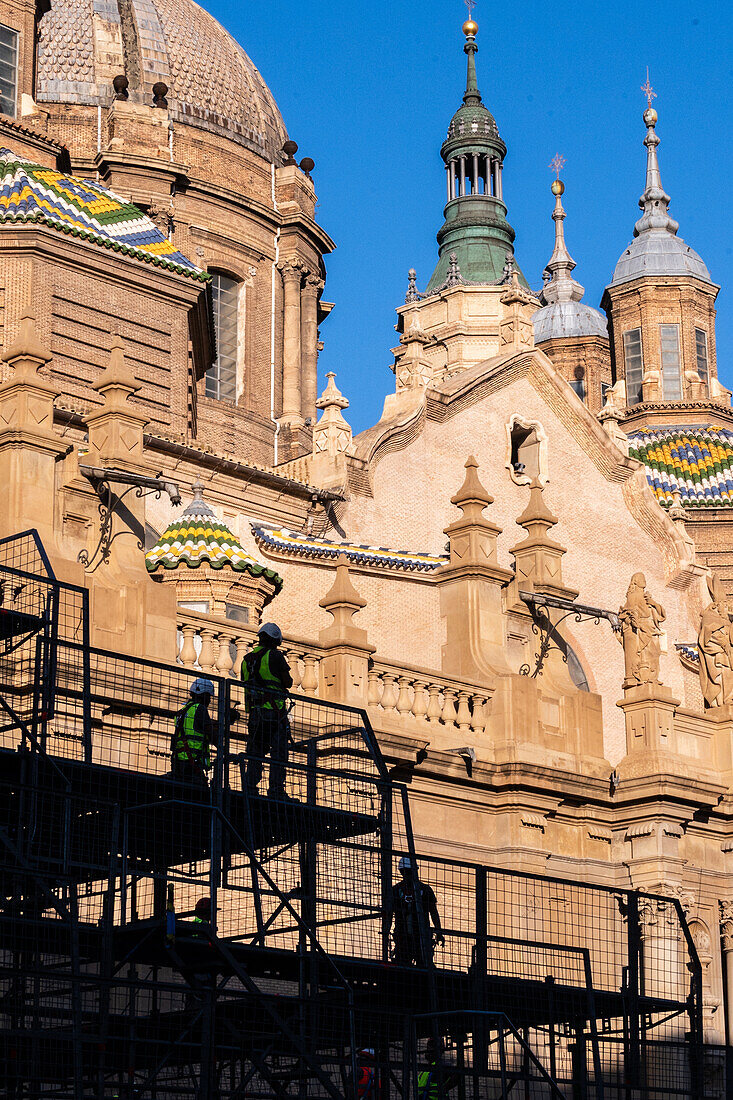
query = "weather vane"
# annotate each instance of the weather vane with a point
(648, 90)
(470, 4)
(556, 164)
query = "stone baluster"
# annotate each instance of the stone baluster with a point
(294, 662)
(224, 663)
(375, 688)
(478, 718)
(404, 702)
(309, 685)
(434, 705)
(463, 715)
(207, 656)
(420, 699)
(449, 706)
(242, 644)
(389, 694)
(187, 656)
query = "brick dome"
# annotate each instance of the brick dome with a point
(212, 83)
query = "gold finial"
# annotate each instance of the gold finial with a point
(556, 164)
(470, 27)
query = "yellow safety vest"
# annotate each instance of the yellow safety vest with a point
(263, 688)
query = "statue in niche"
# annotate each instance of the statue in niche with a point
(641, 618)
(715, 647)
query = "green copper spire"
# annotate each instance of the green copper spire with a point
(475, 229)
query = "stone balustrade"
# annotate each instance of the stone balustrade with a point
(412, 698)
(218, 646)
(423, 699)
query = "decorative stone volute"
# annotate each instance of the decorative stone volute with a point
(344, 667)
(116, 429)
(538, 558)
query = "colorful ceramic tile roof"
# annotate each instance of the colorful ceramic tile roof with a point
(697, 461)
(688, 650)
(280, 539)
(197, 538)
(32, 193)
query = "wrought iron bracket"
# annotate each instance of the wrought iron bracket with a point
(545, 627)
(109, 504)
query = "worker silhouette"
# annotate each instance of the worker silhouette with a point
(192, 736)
(267, 680)
(435, 1081)
(409, 897)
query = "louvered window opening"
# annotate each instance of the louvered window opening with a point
(221, 378)
(8, 70)
(634, 366)
(669, 336)
(701, 351)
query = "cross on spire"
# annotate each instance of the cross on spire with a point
(470, 4)
(648, 90)
(556, 164)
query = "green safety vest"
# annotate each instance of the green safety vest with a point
(257, 674)
(427, 1085)
(188, 743)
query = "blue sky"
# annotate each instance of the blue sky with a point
(368, 90)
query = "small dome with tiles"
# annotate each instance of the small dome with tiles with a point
(199, 538)
(212, 83)
(697, 462)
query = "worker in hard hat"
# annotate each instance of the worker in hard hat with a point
(413, 903)
(192, 736)
(267, 680)
(367, 1081)
(435, 1080)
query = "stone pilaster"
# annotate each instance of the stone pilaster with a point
(312, 287)
(345, 664)
(292, 275)
(726, 932)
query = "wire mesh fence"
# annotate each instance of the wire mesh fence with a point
(245, 923)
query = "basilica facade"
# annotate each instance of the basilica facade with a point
(521, 571)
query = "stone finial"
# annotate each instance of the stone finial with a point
(116, 429)
(27, 352)
(160, 91)
(715, 648)
(472, 538)
(120, 85)
(332, 434)
(290, 148)
(116, 382)
(506, 275)
(675, 510)
(641, 618)
(342, 601)
(454, 272)
(538, 558)
(412, 294)
(472, 497)
(307, 165)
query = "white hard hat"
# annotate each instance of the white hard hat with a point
(271, 630)
(368, 1052)
(405, 864)
(202, 687)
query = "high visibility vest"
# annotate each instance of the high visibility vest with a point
(188, 743)
(263, 688)
(427, 1085)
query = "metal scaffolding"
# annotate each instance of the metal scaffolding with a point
(111, 984)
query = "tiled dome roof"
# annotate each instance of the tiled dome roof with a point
(199, 538)
(212, 83)
(697, 461)
(31, 193)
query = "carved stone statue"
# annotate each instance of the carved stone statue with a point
(715, 646)
(641, 618)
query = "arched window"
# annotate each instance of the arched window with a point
(221, 377)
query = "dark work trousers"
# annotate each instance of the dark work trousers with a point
(269, 732)
(189, 771)
(408, 950)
